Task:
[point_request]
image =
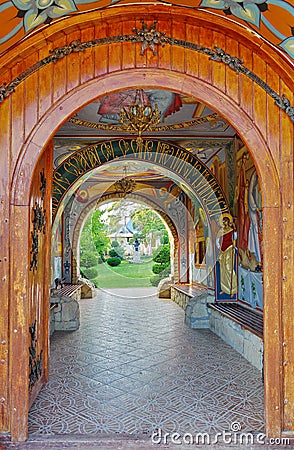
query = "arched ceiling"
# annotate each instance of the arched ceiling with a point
(271, 19)
(206, 137)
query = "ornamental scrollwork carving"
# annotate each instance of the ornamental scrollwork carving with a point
(43, 184)
(233, 62)
(39, 223)
(35, 361)
(150, 38)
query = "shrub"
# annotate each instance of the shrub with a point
(113, 253)
(164, 239)
(101, 258)
(157, 278)
(162, 254)
(89, 259)
(90, 272)
(115, 244)
(158, 268)
(115, 261)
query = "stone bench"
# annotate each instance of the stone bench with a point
(64, 308)
(241, 327)
(182, 293)
(70, 290)
(193, 298)
(248, 318)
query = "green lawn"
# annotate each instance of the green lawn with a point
(125, 275)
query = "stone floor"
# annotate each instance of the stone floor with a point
(134, 369)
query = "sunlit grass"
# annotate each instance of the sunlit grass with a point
(127, 274)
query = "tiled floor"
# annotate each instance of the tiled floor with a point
(134, 367)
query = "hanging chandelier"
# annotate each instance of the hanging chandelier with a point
(139, 117)
(125, 185)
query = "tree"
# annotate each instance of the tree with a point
(94, 240)
(99, 234)
(88, 253)
(147, 222)
(161, 258)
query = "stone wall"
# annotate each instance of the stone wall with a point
(246, 343)
(198, 315)
(65, 316)
(179, 297)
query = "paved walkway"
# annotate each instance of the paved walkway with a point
(134, 369)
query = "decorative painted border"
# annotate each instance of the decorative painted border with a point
(170, 156)
(149, 39)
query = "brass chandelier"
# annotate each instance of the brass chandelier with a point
(125, 185)
(141, 117)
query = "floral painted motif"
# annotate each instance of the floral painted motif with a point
(248, 10)
(37, 12)
(254, 12)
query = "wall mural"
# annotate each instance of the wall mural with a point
(273, 19)
(110, 107)
(248, 209)
(238, 237)
(226, 264)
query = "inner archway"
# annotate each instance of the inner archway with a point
(127, 232)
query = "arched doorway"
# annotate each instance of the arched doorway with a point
(264, 147)
(135, 198)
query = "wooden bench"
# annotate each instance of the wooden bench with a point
(68, 289)
(191, 290)
(247, 318)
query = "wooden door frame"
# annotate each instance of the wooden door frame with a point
(267, 174)
(251, 132)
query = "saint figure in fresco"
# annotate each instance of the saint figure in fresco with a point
(255, 214)
(226, 243)
(241, 197)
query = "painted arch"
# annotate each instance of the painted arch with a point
(177, 160)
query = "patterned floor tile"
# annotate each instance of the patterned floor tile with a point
(133, 367)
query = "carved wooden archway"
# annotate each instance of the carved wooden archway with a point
(265, 128)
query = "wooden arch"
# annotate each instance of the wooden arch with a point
(41, 103)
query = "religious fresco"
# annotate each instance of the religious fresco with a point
(56, 253)
(177, 113)
(248, 208)
(272, 19)
(226, 263)
(110, 106)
